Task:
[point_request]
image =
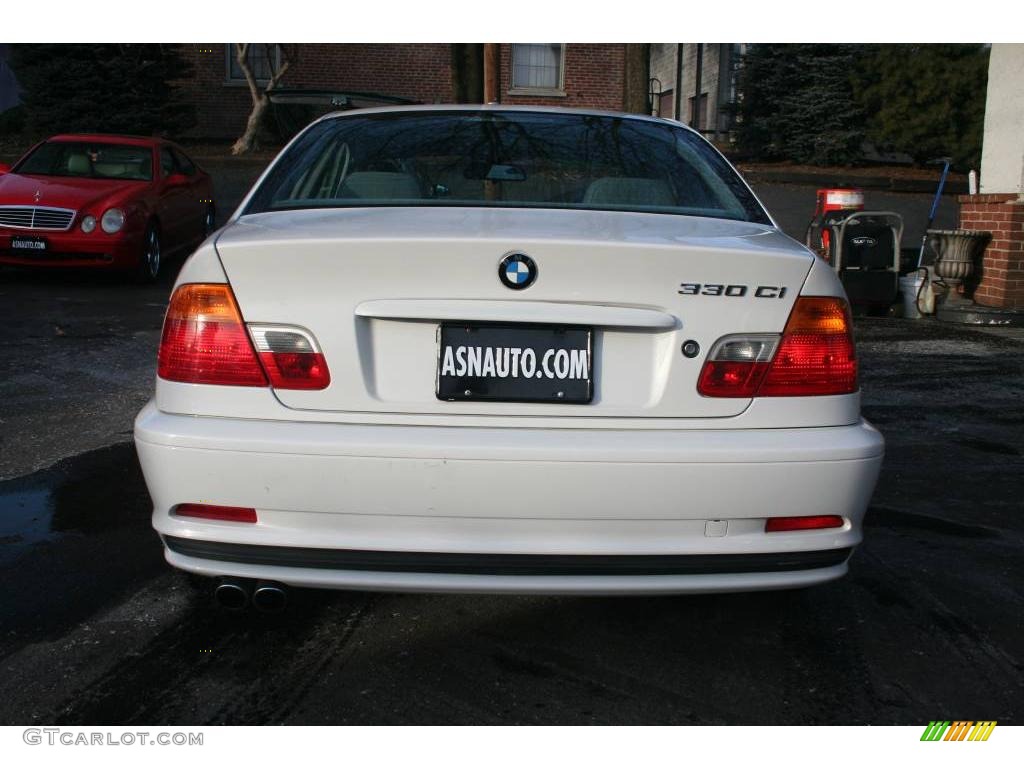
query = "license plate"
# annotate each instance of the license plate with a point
(28, 244)
(514, 363)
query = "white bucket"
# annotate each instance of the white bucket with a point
(909, 287)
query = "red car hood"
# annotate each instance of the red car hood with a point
(66, 191)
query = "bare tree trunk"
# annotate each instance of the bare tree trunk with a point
(260, 101)
(250, 139)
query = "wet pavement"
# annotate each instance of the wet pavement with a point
(95, 628)
(77, 356)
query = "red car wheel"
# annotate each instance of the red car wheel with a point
(150, 258)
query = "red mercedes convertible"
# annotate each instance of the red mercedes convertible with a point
(114, 202)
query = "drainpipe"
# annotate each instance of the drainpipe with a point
(679, 82)
(491, 73)
(697, 75)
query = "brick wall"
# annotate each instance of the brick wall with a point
(594, 77)
(1000, 280)
(421, 72)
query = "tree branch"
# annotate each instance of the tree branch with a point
(278, 74)
(242, 57)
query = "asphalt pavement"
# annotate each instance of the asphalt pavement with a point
(96, 629)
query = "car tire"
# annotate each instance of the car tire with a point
(151, 257)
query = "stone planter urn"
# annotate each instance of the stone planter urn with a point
(955, 254)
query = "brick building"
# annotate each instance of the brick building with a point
(695, 83)
(565, 74)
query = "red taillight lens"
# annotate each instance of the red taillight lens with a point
(290, 357)
(812, 364)
(296, 370)
(806, 523)
(731, 378)
(217, 512)
(204, 340)
(815, 356)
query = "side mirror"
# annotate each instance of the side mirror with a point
(177, 179)
(4, 168)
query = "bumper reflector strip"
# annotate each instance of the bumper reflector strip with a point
(217, 512)
(806, 523)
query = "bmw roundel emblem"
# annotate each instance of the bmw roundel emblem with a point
(517, 271)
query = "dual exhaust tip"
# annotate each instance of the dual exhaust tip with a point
(237, 594)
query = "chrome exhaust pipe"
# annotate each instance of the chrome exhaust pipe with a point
(232, 594)
(270, 597)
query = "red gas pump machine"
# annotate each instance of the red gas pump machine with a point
(863, 247)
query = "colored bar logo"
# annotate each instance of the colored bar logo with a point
(958, 730)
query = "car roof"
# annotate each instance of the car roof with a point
(413, 108)
(110, 138)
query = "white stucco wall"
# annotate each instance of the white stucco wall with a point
(1002, 154)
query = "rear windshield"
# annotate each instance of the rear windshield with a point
(505, 160)
(91, 161)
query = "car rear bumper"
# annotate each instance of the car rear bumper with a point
(518, 510)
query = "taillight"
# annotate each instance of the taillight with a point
(815, 355)
(290, 357)
(803, 523)
(204, 339)
(216, 512)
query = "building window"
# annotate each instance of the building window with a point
(264, 60)
(538, 68)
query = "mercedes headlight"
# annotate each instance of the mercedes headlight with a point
(112, 220)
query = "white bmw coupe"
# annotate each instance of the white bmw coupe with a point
(505, 350)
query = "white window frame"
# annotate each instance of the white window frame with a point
(533, 90)
(230, 59)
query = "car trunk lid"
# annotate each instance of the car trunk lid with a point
(374, 284)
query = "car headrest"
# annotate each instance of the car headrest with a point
(625, 190)
(381, 185)
(78, 163)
